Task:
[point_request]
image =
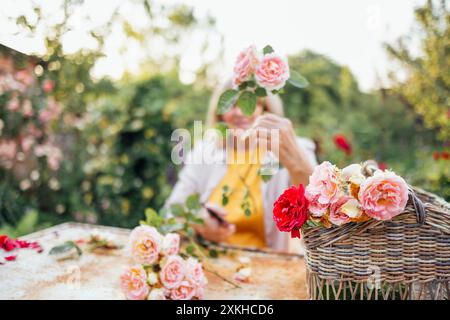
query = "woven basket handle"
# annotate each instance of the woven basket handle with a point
(370, 166)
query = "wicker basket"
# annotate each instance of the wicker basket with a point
(405, 258)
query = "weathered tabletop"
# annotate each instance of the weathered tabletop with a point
(95, 275)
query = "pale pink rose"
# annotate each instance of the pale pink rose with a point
(186, 290)
(272, 73)
(172, 271)
(323, 188)
(27, 109)
(134, 283)
(8, 149)
(50, 112)
(171, 244)
(345, 208)
(26, 143)
(13, 104)
(245, 65)
(25, 76)
(145, 244)
(194, 272)
(54, 157)
(384, 195)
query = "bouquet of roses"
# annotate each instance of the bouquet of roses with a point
(257, 74)
(335, 197)
(161, 273)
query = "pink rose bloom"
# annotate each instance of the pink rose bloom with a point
(145, 244)
(272, 73)
(172, 271)
(26, 143)
(323, 188)
(134, 283)
(54, 157)
(194, 272)
(8, 149)
(13, 104)
(343, 210)
(48, 86)
(171, 244)
(245, 65)
(51, 112)
(27, 109)
(185, 291)
(384, 195)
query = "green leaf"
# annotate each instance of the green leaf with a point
(243, 85)
(198, 220)
(261, 92)
(224, 200)
(251, 83)
(65, 248)
(297, 80)
(266, 177)
(247, 212)
(247, 102)
(193, 202)
(226, 101)
(213, 253)
(268, 49)
(177, 209)
(190, 249)
(151, 214)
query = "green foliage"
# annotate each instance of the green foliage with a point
(427, 88)
(247, 102)
(226, 100)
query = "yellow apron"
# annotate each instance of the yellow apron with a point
(242, 176)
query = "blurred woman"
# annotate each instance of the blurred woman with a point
(207, 173)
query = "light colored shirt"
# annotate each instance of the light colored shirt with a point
(205, 167)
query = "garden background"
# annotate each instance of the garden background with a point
(78, 147)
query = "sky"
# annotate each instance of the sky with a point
(351, 32)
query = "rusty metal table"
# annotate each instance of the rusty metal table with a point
(95, 275)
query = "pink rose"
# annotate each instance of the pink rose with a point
(185, 291)
(323, 188)
(13, 104)
(145, 244)
(245, 65)
(272, 73)
(384, 195)
(51, 111)
(27, 109)
(134, 283)
(194, 272)
(8, 149)
(48, 86)
(172, 271)
(171, 244)
(343, 210)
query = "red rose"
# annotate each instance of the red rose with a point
(436, 155)
(342, 143)
(290, 211)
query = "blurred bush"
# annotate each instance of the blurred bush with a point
(77, 148)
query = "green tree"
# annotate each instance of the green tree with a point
(427, 87)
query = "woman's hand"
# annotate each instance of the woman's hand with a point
(293, 158)
(214, 229)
